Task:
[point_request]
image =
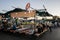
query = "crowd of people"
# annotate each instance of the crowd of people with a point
(12, 26)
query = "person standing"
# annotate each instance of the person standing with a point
(50, 26)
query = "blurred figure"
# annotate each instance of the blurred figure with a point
(14, 26)
(50, 26)
(5, 25)
(39, 28)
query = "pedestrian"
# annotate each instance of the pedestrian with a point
(14, 26)
(50, 27)
(5, 25)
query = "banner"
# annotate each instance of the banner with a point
(27, 6)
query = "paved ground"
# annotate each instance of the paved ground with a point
(54, 35)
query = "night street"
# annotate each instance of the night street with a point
(54, 35)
